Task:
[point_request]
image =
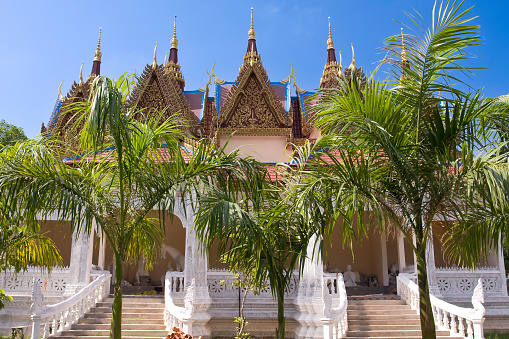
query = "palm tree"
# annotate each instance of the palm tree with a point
(246, 217)
(130, 168)
(404, 153)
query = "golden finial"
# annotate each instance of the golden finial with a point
(352, 65)
(404, 56)
(285, 81)
(154, 64)
(165, 59)
(251, 29)
(204, 88)
(216, 79)
(299, 90)
(60, 96)
(98, 54)
(81, 75)
(340, 73)
(330, 42)
(174, 41)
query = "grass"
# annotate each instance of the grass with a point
(496, 335)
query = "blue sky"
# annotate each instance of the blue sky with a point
(45, 42)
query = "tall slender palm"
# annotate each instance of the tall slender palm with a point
(246, 217)
(131, 168)
(400, 152)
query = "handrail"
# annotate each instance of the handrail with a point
(335, 322)
(59, 317)
(176, 316)
(466, 322)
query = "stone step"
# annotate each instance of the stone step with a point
(376, 302)
(395, 332)
(138, 326)
(128, 310)
(140, 304)
(125, 300)
(384, 327)
(125, 333)
(388, 318)
(125, 315)
(380, 307)
(375, 322)
(398, 312)
(125, 321)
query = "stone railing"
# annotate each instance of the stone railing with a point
(176, 316)
(221, 285)
(335, 322)
(52, 284)
(465, 322)
(59, 317)
(458, 284)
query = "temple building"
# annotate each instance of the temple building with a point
(268, 119)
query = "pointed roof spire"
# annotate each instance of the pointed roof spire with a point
(98, 54)
(174, 41)
(404, 56)
(96, 66)
(330, 42)
(340, 73)
(81, 75)
(251, 29)
(352, 65)
(154, 64)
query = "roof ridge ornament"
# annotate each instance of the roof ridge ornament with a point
(60, 96)
(98, 54)
(165, 59)
(299, 90)
(81, 75)
(352, 65)
(206, 87)
(216, 79)
(285, 81)
(251, 29)
(174, 41)
(154, 64)
(330, 42)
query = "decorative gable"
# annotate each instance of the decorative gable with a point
(157, 91)
(252, 106)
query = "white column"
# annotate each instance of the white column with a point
(401, 251)
(430, 266)
(385, 266)
(414, 240)
(501, 266)
(81, 262)
(101, 261)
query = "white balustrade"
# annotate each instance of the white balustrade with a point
(53, 283)
(465, 322)
(335, 322)
(457, 284)
(59, 317)
(175, 283)
(176, 316)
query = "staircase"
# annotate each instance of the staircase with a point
(142, 318)
(383, 317)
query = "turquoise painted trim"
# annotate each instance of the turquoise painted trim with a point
(218, 96)
(301, 99)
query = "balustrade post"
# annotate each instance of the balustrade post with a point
(461, 326)
(328, 328)
(36, 327)
(453, 327)
(446, 320)
(478, 331)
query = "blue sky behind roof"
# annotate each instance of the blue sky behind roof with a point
(45, 42)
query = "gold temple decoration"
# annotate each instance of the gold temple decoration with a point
(60, 96)
(174, 41)
(285, 81)
(299, 90)
(404, 56)
(204, 88)
(216, 79)
(154, 64)
(251, 29)
(165, 59)
(330, 42)
(352, 65)
(81, 75)
(98, 54)
(340, 72)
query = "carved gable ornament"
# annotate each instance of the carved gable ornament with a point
(156, 91)
(252, 106)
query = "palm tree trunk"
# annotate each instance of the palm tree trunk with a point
(280, 332)
(116, 319)
(425, 309)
